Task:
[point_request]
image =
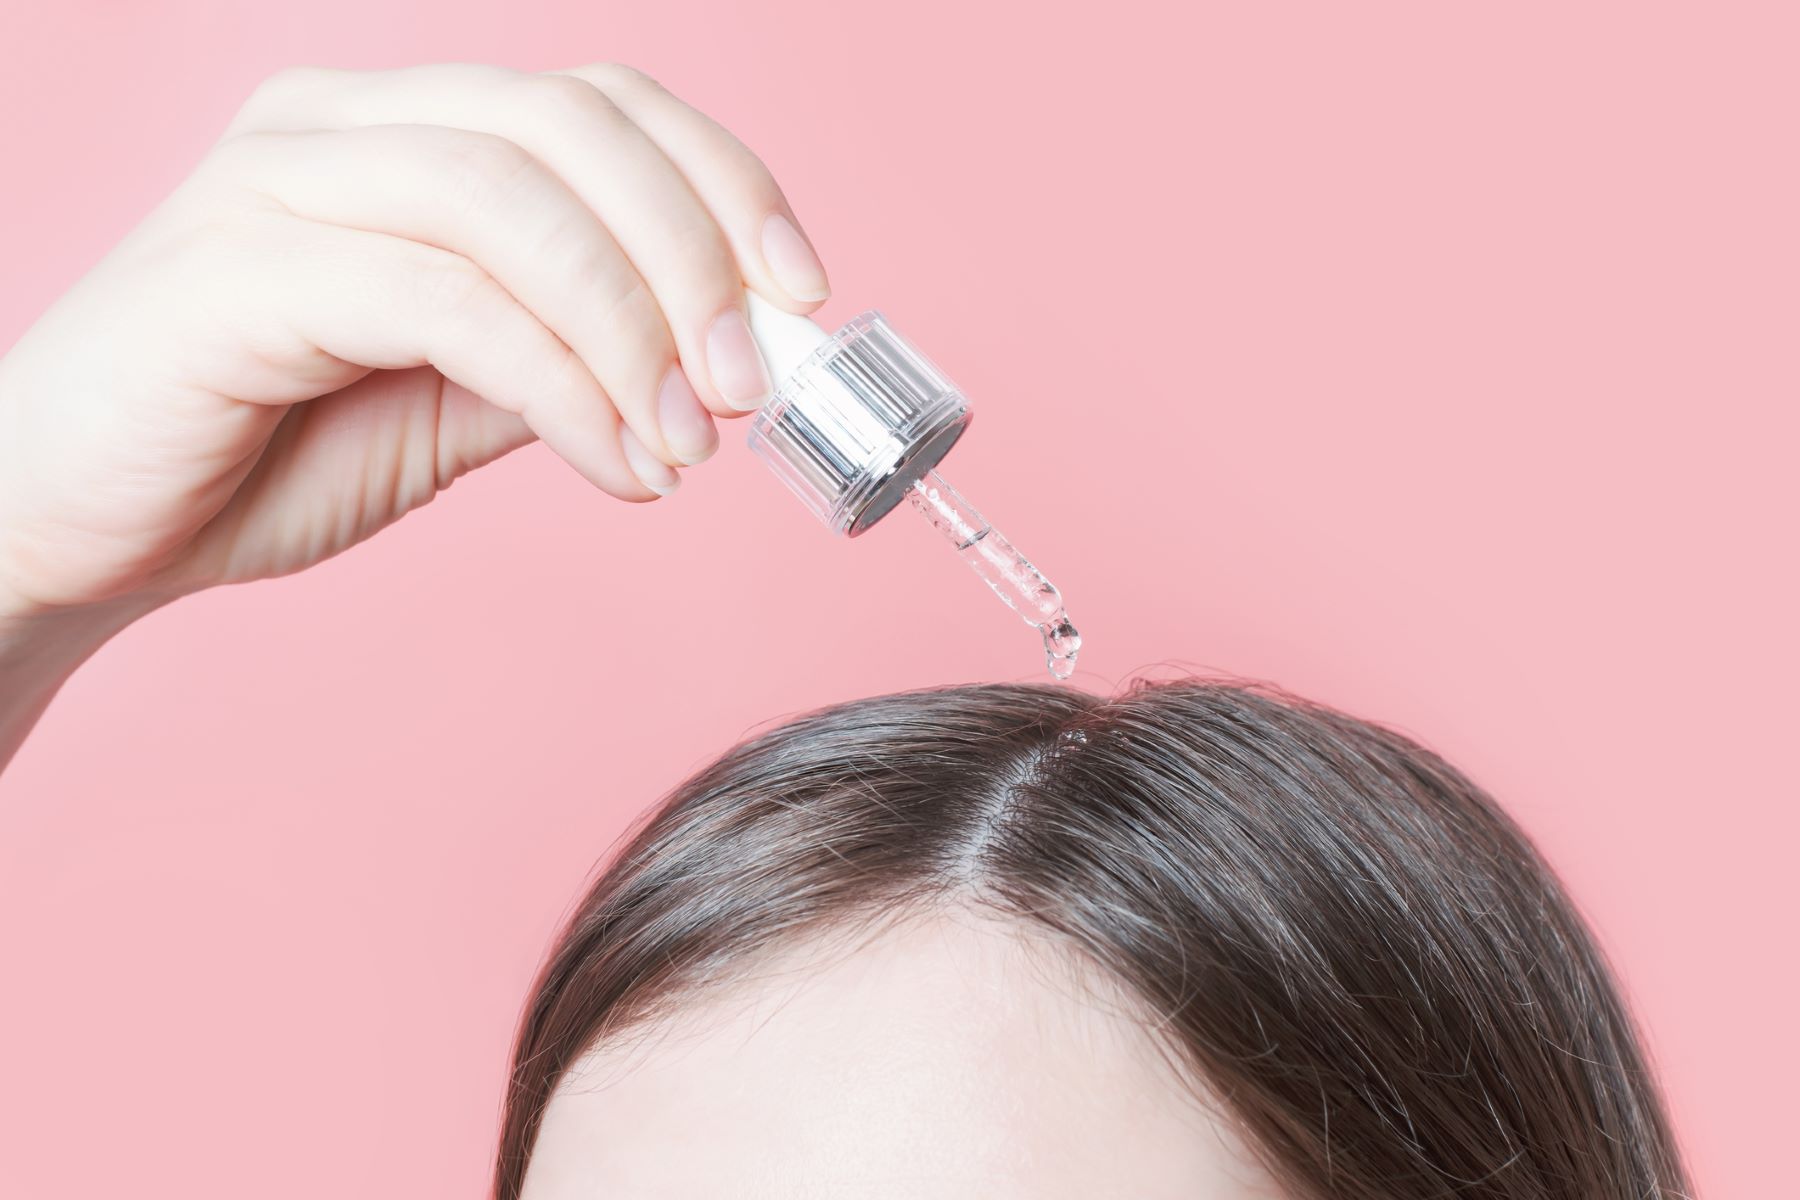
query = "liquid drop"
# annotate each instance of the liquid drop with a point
(1061, 646)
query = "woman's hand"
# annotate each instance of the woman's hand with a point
(373, 284)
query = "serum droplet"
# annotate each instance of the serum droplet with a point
(1061, 646)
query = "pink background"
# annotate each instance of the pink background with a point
(1437, 363)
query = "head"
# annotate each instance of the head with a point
(1196, 940)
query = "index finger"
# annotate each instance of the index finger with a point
(777, 259)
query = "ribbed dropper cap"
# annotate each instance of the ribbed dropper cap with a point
(857, 417)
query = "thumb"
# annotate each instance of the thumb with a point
(340, 468)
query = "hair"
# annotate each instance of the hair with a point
(1366, 961)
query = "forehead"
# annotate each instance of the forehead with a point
(949, 1057)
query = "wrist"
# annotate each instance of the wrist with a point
(41, 647)
(41, 637)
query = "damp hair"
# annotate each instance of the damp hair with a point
(1333, 928)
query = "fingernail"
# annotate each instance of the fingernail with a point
(652, 472)
(686, 425)
(736, 364)
(792, 261)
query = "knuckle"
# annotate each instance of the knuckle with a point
(579, 249)
(629, 312)
(297, 77)
(756, 176)
(564, 100)
(751, 183)
(564, 373)
(280, 88)
(479, 170)
(452, 286)
(704, 262)
(233, 153)
(622, 76)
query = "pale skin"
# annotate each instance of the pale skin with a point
(952, 1056)
(376, 282)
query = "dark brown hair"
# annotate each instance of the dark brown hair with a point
(1340, 933)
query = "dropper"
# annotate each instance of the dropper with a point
(1022, 586)
(859, 421)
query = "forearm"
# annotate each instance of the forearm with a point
(39, 650)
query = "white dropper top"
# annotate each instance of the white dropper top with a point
(785, 340)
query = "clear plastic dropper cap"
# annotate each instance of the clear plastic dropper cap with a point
(859, 421)
(858, 416)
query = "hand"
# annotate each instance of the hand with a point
(374, 283)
